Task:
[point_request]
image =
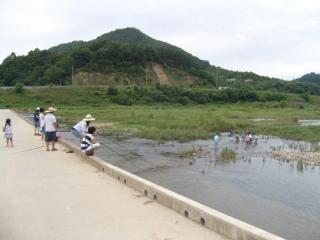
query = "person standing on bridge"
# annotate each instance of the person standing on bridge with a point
(36, 120)
(81, 128)
(41, 115)
(7, 129)
(50, 125)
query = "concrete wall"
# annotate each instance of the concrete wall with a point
(214, 220)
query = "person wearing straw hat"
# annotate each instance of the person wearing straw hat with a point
(81, 128)
(50, 128)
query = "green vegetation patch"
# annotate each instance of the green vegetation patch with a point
(169, 120)
(227, 154)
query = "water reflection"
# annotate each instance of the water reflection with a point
(255, 187)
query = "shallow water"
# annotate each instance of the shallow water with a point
(310, 122)
(277, 196)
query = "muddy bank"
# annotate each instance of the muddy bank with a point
(312, 158)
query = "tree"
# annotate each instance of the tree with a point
(19, 88)
(54, 75)
(81, 57)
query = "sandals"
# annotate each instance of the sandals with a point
(54, 149)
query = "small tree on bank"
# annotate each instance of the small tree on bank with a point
(19, 88)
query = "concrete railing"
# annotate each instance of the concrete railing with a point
(214, 220)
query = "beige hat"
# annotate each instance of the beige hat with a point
(88, 118)
(51, 109)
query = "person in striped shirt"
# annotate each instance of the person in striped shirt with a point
(88, 143)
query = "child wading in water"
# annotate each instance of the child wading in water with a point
(7, 129)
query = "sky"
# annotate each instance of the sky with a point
(275, 38)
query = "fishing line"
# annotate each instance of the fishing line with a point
(31, 149)
(120, 145)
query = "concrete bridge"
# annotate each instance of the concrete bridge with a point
(60, 196)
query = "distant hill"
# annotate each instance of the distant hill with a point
(123, 56)
(130, 57)
(310, 78)
(131, 36)
(65, 47)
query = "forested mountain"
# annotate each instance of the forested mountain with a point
(128, 56)
(310, 78)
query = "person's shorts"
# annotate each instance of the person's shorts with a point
(50, 136)
(37, 124)
(75, 133)
(42, 130)
(89, 150)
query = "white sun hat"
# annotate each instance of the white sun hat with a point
(51, 109)
(88, 118)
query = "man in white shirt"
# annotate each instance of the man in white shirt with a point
(50, 125)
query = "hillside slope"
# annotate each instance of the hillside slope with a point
(310, 78)
(130, 57)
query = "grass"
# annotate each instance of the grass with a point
(227, 154)
(167, 122)
(194, 152)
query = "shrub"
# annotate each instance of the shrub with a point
(227, 154)
(19, 88)
(112, 91)
(122, 100)
(305, 97)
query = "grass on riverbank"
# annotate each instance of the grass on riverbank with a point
(170, 122)
(196, 122)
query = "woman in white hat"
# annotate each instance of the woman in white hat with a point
(81, 128)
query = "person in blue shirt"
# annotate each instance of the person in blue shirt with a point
(36, 121)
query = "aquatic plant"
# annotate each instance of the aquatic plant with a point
(300, 165)
(227, 154)
(276, 148)
(194, 152)
(315, 147)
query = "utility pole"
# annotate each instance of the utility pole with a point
(72, 83)
(146, 71)
(217, 79)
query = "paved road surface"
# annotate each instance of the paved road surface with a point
(58, 196)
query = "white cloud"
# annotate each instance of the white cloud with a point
(277, 38)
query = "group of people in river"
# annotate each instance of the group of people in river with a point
(45, 125)
(247, 137)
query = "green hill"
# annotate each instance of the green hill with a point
(131, 36)
(124, 56)
(65, 47)
(310, 78)
(129, 57)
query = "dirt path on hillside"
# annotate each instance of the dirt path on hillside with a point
(162, 76)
